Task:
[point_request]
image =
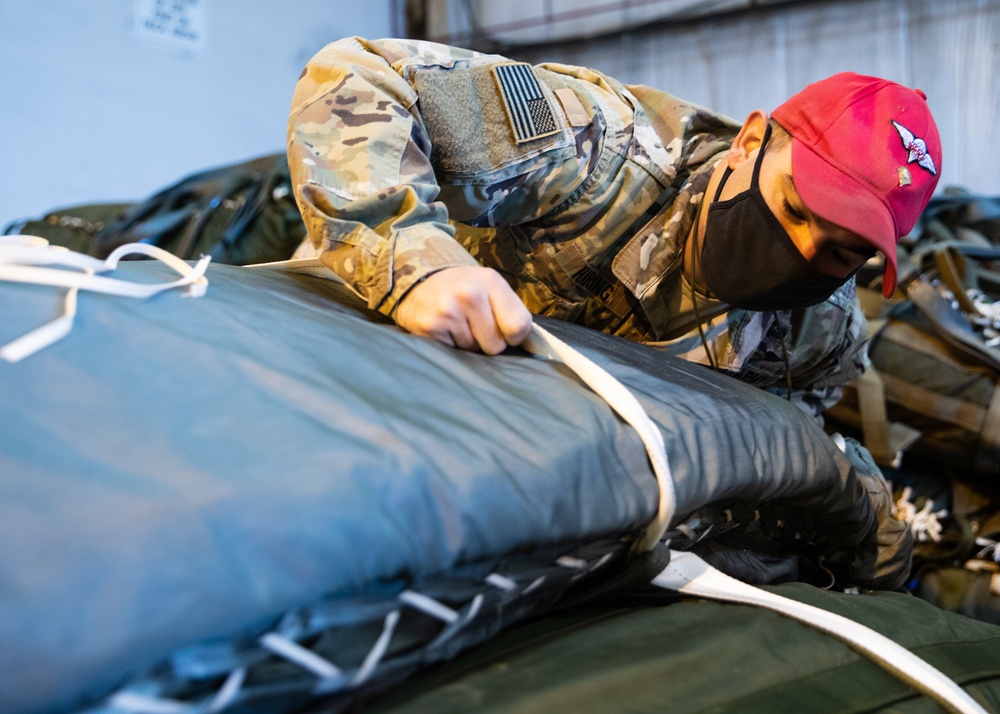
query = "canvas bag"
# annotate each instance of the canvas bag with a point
(238, 214)
(935, 369)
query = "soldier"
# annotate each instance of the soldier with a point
(459, 193)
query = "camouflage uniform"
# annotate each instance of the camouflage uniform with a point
(408, 157)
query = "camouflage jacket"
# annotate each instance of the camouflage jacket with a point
(408, 157)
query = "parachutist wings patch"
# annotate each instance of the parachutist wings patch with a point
(916, 148)
(528, 109)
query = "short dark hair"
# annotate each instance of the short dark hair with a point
(779, 137)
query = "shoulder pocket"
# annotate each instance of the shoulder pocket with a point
(487, 117)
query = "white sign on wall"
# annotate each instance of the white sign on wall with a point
(180, 25)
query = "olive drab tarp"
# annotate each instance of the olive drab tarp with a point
(650, 652)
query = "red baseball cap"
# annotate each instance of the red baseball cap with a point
(866, 156)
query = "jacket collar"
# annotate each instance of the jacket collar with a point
(649, 264)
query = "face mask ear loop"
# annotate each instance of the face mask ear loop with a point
(777, 319)
(783, 338)
(713, 361)
(755, 178)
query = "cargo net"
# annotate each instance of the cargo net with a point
(345, 650)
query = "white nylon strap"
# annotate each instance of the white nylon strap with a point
(303, 657)
(690, 575)
(428, 606)
(378, 650)
(21, 256)
(542, 343)
(44, 335)
(135, 703)
(228, 692)
(501, 582)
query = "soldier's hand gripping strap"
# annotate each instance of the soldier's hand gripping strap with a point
(21, 261)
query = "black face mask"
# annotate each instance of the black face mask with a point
(750, 262)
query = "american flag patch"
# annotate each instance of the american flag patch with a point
(527, 108)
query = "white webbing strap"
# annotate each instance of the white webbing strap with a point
(690, 575)
(22, 260)
(302, 656)
(542, 343)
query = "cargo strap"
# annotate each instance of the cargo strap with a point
(544, 344)
(885, 440)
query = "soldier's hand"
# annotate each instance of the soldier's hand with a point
(468, 306)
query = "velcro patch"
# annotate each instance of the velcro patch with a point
(576, 113)
(528, 109)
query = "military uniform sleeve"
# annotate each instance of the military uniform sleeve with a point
(828, 349)
(890, 567)
(824, 347)
(361, 172)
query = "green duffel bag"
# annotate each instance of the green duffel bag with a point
(961, 589)
(934, 345)
(73, 227)
(656, 654)
(239, 214)
(932, 389)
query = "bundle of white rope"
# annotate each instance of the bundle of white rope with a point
(30, 259)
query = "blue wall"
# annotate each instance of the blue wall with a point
(92, 110)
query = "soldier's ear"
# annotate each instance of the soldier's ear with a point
(750, 136)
